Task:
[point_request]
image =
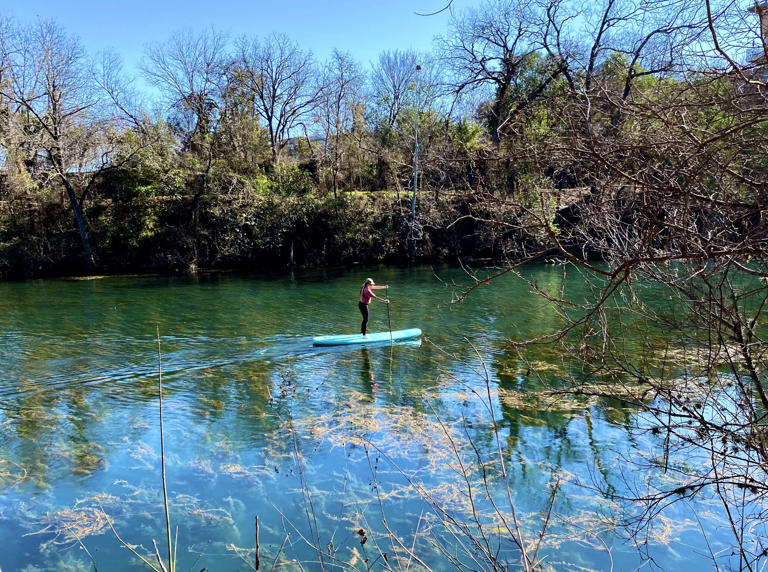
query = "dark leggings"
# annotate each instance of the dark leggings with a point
(364, 312)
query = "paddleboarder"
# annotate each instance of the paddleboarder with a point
(366, 293)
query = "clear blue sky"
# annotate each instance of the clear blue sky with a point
(362, 27)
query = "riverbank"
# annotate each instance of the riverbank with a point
(183, 234)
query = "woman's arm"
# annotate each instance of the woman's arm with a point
(372, 288)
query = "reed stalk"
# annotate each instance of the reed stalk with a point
(171, 559)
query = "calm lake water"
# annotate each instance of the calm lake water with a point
(350, 450)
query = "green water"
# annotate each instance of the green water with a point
(319, 444)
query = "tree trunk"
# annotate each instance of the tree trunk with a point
(80, 221)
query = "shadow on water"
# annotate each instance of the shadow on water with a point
(181, 356)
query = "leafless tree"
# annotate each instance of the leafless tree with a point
(497, 49)
(189, 70)
(646, 38)
(281, 80)
(339, 103)
(393, 81)
(55, 110)
(120, 90)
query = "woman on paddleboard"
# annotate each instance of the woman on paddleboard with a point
(366, 293)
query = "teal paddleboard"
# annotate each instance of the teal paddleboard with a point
(355, 339)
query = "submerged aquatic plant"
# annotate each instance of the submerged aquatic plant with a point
(468, 516)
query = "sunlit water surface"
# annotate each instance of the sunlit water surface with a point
(347, 449)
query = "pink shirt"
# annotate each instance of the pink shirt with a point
(366, 293)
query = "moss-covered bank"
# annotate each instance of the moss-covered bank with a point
(139, 232)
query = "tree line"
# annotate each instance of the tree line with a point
(251, 150)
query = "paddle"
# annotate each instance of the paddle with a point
(389, 319)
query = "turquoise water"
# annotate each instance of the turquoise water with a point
(320, 444)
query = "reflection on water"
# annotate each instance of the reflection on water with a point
(321, 444)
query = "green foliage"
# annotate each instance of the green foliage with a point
(537, 126)
(243, 145)
(529, 70)
(466, 133)
(289, 178)
(260, 184)
(540, 203)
